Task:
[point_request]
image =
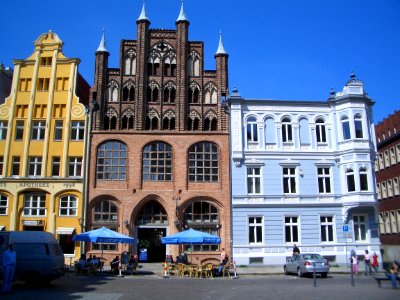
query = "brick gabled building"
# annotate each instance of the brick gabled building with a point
(387, 169)
(160, 146)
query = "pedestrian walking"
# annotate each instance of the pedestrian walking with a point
(354, 261)
(374, 262)
(9, 262)
(367, 263)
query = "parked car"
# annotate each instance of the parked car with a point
(39, 256)
(304, 263)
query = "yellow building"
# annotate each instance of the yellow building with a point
(42, 145)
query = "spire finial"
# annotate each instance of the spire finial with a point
(182, 16)
(352, 74)
(102, 46)
(221, 49)
(143, 15)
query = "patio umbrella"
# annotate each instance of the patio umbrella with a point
(103, 235)
(192, 237)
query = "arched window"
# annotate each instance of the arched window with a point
(105, 213)
(152, 92)
(111, 161)
(3, 205)
(351, 186)
(170, 66)
(153, 65)
(68, 206)
(210, 94)
(128, 93)
(193, 67)
(152, 213)
(320, 131)
(193, 121)
(169, 93)
(127, 119)
(252, 130)
(345, 128)
(169, 120)
(130, 63)
(202, 216)
(152, 120)
(287, 134)
(113, 92)
(157, 162)
(358, 126)
(363, 179)
(203, 162)
(110, 120)
(193, 93)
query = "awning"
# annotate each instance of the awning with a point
(2, 227)
(65, 230)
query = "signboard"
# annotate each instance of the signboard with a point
(345, 228)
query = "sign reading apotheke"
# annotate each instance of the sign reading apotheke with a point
(34, 184)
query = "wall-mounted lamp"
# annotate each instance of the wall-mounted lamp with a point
(126, 222)
(81, 222)
(218, 226)
(301, 172)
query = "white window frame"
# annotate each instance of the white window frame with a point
(389, 185)
(35, 166)
(383, 190)
(291, 226)
(36, 205)
(358, 123)
(398, 152)
(75, 162)
(19, 130)
(330, 225)
(288, 178)
(356, 227)
(381, 161)
(3, 130)
(71, 207)
(392, 152)
(254, 178)
(324, 176)
(252, 135)
(378, 190)
(4, 199)
(396, 186)
(58, 130)
(55, 163)
(77, 130)
(387, 158)
(38, 130)
(346, 130)
(256, 225)
(350, 173)
(363, 175)
(320, 131)
(398, 219)
(287, 130)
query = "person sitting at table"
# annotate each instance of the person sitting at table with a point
(169, 259)
(133, 263)
(393, 274)
(222, 265)
(115, 265)
(95, 261)
(82, 264)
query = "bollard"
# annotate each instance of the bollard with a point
(351, 273)
(314, 276)
(120, 269)
(234, 268)
(165, 270)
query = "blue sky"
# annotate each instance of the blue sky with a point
(281, 49)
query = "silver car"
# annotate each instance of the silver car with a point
(304, 263)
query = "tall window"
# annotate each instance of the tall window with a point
(130, 63)
(68, 206)
(320, 131)
(16, 162)
(35, 205)
(252, 131)
(111, 161)
(351, 186)
(38, 129)
(169, 93)
(35, 166)
(1, 165)
(128, 93)
(3, 129)
(287, 134)
(203, 162)
(3, 205)
(77, 130)
(346, 128)
(152, 92)
(193, 93)
(289, 180)
(75, 167)
(19, 130)
(386, 220)
(324, 180)
(393, 221)
(256, 230)
(360, 228)
(152, 213)
(202, 216)
(253, 180)
(55, 166)
(358, 126)
(327, 226)
(291, 229)
(58, 130)
(105, 213)
(363, 179)
(157, 162)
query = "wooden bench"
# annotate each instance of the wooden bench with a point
(382, 278)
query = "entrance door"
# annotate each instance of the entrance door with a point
(151, 239)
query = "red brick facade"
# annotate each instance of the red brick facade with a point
(388, 180)
(160, 99)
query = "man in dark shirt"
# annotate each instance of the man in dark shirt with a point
(296, 250)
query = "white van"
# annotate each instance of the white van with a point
(39, 256)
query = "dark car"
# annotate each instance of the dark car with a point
(305, 263)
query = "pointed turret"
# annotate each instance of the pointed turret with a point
(143, 15)
(182, 16)
(221, 49)
(102, 46)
